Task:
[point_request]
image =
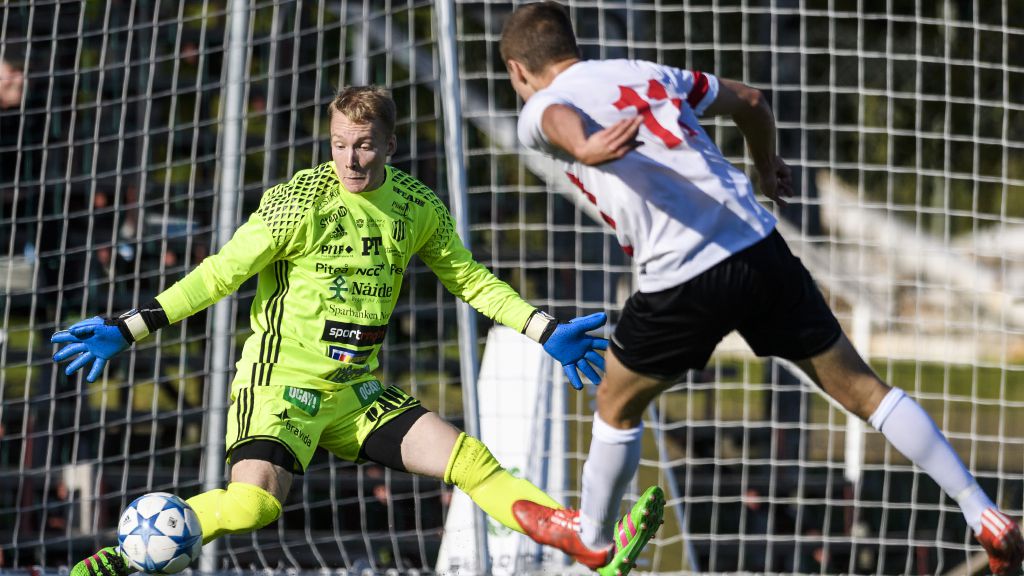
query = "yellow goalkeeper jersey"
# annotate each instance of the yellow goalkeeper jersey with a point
(331, 264)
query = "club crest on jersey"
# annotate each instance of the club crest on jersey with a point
(398, 230)
(342, 354)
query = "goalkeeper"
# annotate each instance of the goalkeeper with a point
(709, 262)
(331, 248)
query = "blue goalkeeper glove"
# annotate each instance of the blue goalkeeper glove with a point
(570, 345)
(95, 341)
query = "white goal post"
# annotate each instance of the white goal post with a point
(902, 122)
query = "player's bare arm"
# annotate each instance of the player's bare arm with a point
(753, 116)
(564, 128)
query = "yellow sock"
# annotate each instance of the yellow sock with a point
(473, 469)
(240, 508)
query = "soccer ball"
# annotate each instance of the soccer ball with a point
(159, 533)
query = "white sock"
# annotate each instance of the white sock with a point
(613, 459)
(911, 431)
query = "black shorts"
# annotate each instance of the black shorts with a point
(383, 445)
(763, 291)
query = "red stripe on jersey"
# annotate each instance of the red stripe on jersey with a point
(579, 184)
(593, 200)
(699, 90)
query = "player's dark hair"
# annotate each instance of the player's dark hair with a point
(366, 104)
(538, 35)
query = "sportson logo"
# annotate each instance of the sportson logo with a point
(353, 334)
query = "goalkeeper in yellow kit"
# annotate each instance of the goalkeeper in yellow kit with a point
(331, 248)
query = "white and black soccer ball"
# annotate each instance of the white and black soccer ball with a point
(159, 534)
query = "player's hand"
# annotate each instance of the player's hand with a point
(775, 179)
(570, 345)
(94, 341)
(610, 143)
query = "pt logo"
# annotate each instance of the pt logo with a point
(372, 243)
(338, 288)
(398, 230)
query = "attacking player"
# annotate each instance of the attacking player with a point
(331, 248)
(709, 258)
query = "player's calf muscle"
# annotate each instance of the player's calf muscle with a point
(476, 472)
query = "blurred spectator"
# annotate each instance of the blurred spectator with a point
(20, 137)
(12, 81)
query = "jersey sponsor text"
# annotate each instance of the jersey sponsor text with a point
(353, 334)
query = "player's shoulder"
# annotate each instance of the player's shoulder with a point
(588, 73)
(291, 200)
(304, 188)
(312, 183)
(412, 191)
(592, 81)
(406, 182)
(592, 71)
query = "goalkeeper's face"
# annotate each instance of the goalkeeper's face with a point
(360, 152)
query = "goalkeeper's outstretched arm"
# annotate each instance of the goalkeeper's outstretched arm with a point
(471, 281)
(94, 341)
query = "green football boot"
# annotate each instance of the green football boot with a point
(634, 531)
(107, 562)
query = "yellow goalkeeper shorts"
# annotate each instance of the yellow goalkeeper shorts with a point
(302, 419)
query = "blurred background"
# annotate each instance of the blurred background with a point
(903, 122)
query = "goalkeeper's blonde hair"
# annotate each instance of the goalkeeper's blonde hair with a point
(366, 104)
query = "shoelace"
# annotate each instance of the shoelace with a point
(570, 521)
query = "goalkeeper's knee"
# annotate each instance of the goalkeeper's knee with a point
(476, 472)
(240, 508)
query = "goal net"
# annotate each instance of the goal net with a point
(902, 122)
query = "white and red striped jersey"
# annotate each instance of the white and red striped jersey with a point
(676, 204)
